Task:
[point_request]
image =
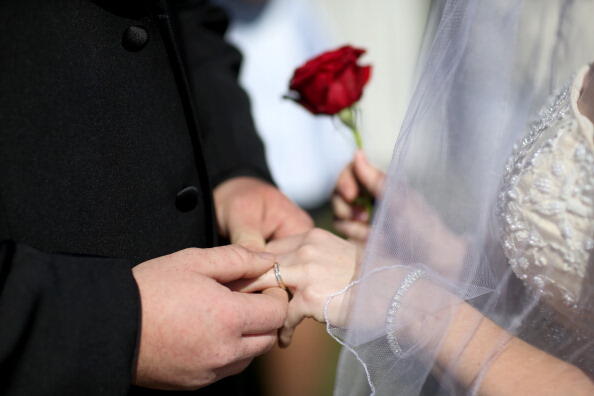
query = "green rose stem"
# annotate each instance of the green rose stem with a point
(348, 118)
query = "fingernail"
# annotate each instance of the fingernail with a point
(282, 342)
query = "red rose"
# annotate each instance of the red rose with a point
(331, 82)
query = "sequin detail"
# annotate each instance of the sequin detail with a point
(545, 204)
(391, 335)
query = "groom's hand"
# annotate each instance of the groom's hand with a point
(196, 331)
(251, 212)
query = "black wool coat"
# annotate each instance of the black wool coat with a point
(117, 118)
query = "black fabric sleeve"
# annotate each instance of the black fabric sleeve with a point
(68, 324)
(231, 144)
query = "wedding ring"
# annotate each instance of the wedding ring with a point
(279, 278)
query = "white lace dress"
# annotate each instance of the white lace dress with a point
(547, 212)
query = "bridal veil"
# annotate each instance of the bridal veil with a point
(472, 209)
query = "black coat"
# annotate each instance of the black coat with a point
(117, 118)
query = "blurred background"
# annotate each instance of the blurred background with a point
(306, 153)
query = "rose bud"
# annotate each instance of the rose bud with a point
(331, 82)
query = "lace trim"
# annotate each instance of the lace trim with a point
(551, 197)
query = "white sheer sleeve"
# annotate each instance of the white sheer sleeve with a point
(440, 240)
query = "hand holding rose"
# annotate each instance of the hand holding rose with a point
(352, 220)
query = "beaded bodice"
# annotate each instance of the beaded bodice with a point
(546, 202)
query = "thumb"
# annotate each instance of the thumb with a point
(250, 238)
(245, 230)
(369, 176)
(229, 263)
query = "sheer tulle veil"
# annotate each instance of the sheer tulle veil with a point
(487, 68)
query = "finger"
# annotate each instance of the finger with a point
(294, 221)
(341, 208)
(285, 245)
(254, 345)
(263, 282)
(353, 229)
(262, 313)
(278, 293)
(228, 263)
(346, 185)
(268, 279)
(246, 229)
(294, 317)
(371, 177)
(292, 276)
(248, 236)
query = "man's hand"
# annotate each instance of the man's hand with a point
(251, 212)
(196, 331)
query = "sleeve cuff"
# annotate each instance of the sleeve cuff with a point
(70, 324)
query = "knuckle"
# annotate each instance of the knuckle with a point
(311, 297)
(237, 253)
(306, 252)
(228, 318)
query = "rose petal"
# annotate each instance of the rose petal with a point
(331, 81)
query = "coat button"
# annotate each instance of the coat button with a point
(135, 38)
(187, 199)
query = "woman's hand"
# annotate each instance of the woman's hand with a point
(350, 219)
(313, 266)
(414, 218)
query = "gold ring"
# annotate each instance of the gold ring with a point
(279, 278)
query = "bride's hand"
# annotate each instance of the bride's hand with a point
(313, 266)
(351, 220)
